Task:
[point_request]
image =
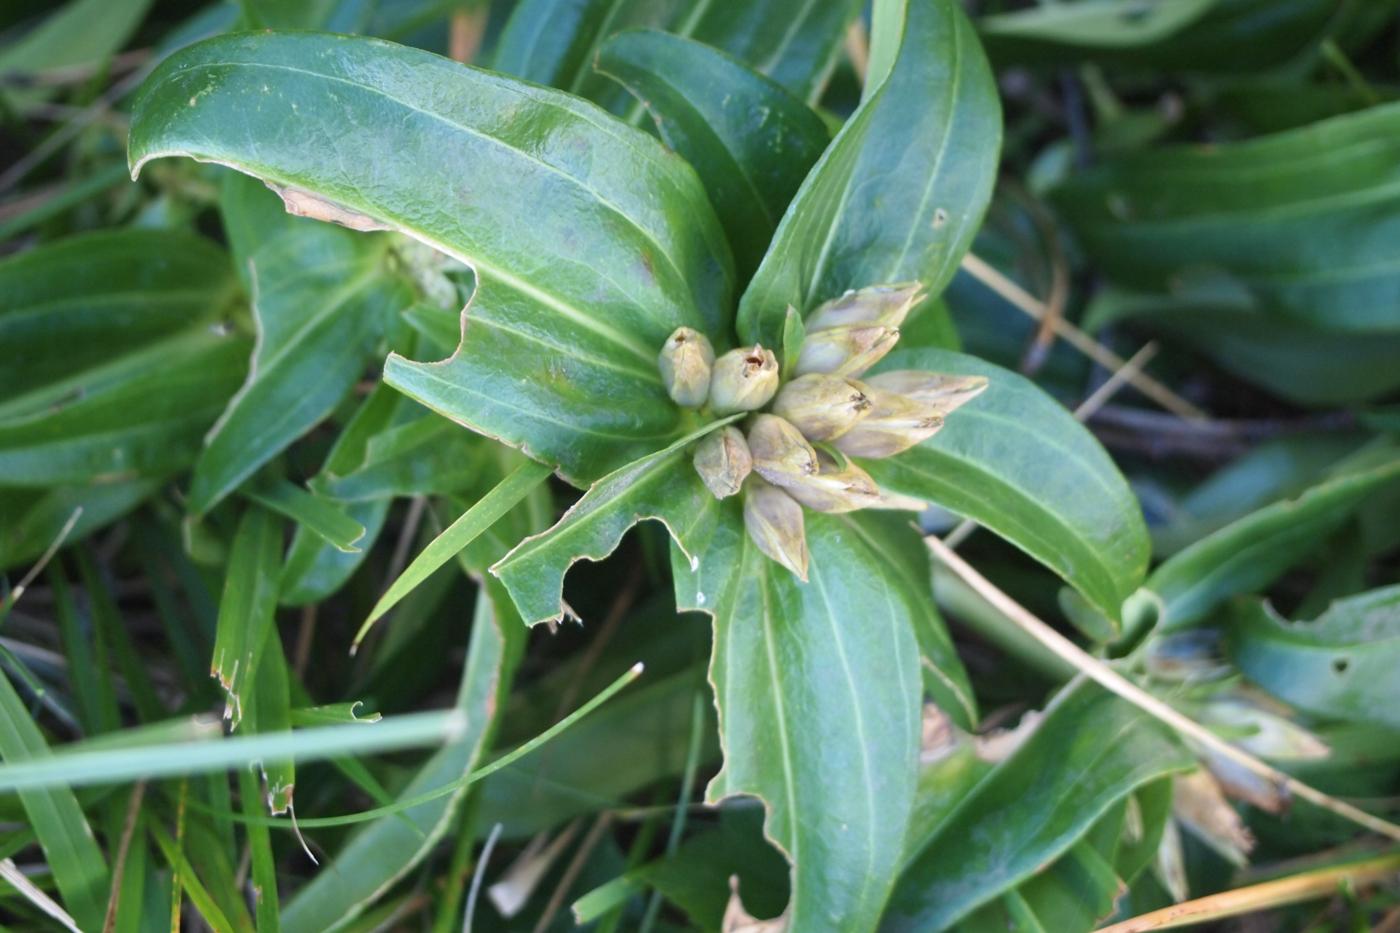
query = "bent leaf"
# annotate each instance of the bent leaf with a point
(750, 141)
(1091, 750)
(819, 695)
(1252, 552)
(900, 192)
(663, 486)
(1340, 665)
(571, 302)
(988, 463)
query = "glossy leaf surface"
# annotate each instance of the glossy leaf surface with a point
(899, 193)
(1340, 665)
(988, 463)
(794, 42)
(1091, 750)
(663, 486)
(818, 688)
(571, 302)
(750, 141)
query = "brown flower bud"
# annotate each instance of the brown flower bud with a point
(780, 453)
(743, 380)
(845, 351)
(943, 393)
(722, 459)
(834, 488)
(822, 407)
(685, 363)
(895, 423)
(888, 305)
(773, 520)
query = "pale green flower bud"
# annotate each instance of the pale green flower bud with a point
(780, 453)
(685, 362)
(945, 394)
(743, 380)
(836, 489)
(773, 520)
(845, 351)
(722, 459)
(895, 423)
(888, 305)
(822, 407)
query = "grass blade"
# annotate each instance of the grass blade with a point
(481, 516)
(54, 815)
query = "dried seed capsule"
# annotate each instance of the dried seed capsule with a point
(773, 520)
(780, 453)
(722, 459)
(888, 305)
(835, 489)
(941, 392)
(895, 423)
(685, 362)
(822, 407)
(845, 351)
(743, 380)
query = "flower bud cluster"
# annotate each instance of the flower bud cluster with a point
(797, 454)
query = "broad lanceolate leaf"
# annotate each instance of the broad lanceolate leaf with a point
(55, 818)
(1065, 30)
(1299, 225)
(1091, 750)
(321, 297)
(750, 140)
(120, 360)
(663, 486)
(1252, 552)
(248, 605)
(1016, 462)
(1340, 665)
(81, 32)
(590, 242)
(32, 519)
(901, 191)
(794, 42)
(819, 694)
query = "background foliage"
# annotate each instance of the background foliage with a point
(258, 466)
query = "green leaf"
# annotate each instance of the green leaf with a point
(1296, 225)
(900, 192)
(469, 525)
(81, 32)
(1294, 360)
(420, 454)
(248, 607)
(589, 242)
(1090, 751)
(819, 694)
(1252, 552)
(663, 486)
(1068, 28)
(384, 851)
(794, 42)
(1340, 665)
(55, 817)
(989, 463)
(269, 711)
(750, 141)
(32, 519)
(120, 363)
(322, 517)
(320, 296)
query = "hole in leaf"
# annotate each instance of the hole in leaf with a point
(1340, 665)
